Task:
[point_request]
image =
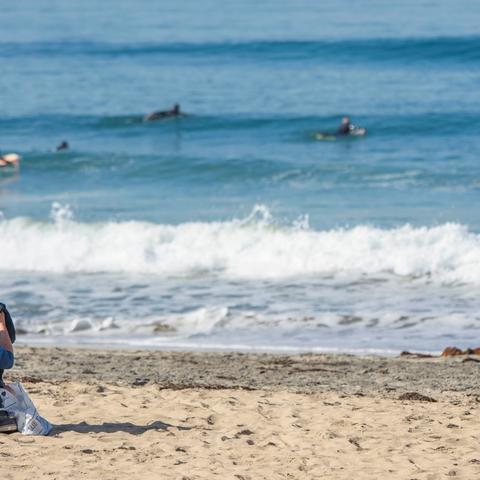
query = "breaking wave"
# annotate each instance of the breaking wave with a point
(254, 247)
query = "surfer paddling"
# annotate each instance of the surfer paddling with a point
(160, 114)
(62, 146)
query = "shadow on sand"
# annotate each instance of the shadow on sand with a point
(126, 427)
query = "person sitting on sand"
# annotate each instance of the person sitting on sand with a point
(63, 146)
(173, 112)
(7, 337)
(9, 159)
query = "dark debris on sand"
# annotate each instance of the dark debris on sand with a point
(309, 373)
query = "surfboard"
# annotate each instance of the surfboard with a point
(354, 132)
(326, 137)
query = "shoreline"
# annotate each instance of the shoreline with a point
(304, 373)
(221, 349)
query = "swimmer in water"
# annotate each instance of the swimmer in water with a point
(63, 146)
(173, 112)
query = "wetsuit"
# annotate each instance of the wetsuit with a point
(344, 129)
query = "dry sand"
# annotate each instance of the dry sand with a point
(159, 415)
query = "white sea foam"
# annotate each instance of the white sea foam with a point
(61, 213)
(252, 248)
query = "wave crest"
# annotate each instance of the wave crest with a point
(255, 247)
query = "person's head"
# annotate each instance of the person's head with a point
(345, 120)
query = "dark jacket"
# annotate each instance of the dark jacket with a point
(7, 357)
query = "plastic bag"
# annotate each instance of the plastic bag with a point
(15, 400)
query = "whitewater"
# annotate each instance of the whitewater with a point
(256, 282)
(256, 247)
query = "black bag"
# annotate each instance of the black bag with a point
(10, 328)
(8, 423)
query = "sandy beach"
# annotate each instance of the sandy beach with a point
(162, 415)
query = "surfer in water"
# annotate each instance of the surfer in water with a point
(63, 146)
(345, 126)
(173, 112)
(346, 129)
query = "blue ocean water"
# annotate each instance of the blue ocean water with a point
(232, 226)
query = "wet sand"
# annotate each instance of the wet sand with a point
(149, 415)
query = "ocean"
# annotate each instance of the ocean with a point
(233, 227)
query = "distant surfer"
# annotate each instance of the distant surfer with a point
(10, 160)
(63, 146)
(173, 112)
(346, 129)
